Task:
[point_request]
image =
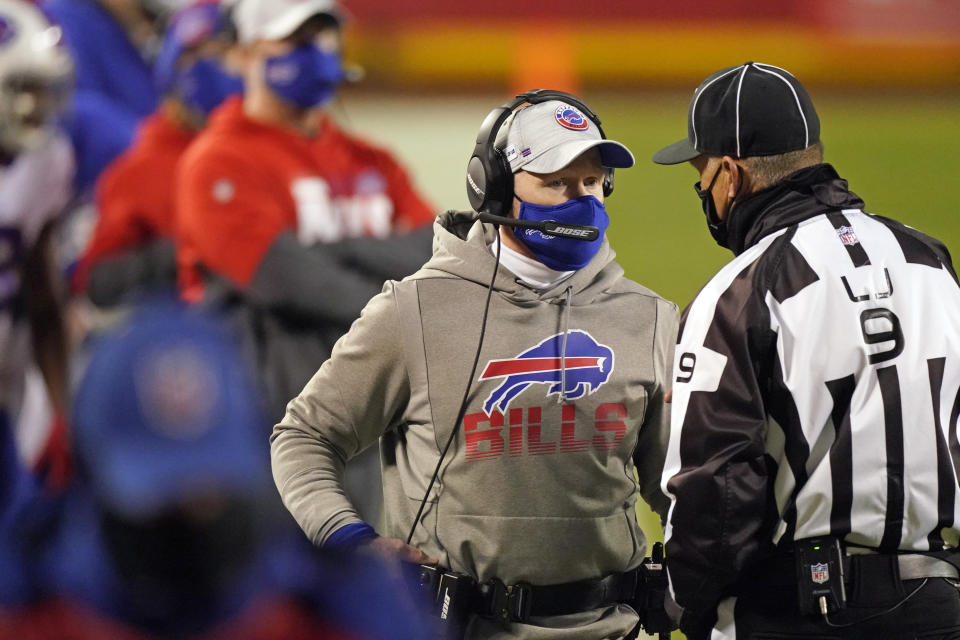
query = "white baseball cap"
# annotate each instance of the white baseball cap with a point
(277, 19)
(547, 136)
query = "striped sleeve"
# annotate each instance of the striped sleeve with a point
(716, 473)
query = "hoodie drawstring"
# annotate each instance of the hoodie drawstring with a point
(563, 346)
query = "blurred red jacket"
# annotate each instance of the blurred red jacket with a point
(244, 182)
(135, 194)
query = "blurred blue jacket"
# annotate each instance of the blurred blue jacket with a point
(114, 85)
(106, 61)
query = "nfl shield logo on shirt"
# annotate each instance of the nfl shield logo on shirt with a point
(847, 235)
(819, 573)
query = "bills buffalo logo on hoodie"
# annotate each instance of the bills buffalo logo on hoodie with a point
(587, 365)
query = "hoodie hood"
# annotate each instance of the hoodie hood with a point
(461, 248)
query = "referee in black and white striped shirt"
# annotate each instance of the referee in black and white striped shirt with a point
(813, 459)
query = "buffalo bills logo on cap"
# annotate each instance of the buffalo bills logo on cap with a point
(570, 118)
(177, 388)
(588, 366)
(7, 30)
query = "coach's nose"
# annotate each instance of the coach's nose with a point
(578, 189)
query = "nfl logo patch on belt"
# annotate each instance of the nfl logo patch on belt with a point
(819, 573)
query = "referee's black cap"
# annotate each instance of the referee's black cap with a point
(753, 109)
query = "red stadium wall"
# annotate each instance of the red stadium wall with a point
(373, 11)
(643, 43)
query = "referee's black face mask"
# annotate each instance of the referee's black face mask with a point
(718, 227)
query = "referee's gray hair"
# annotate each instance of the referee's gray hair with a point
(768, 170)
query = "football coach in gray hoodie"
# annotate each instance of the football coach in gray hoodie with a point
(516, 473)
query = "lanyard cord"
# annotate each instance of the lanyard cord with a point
(830, 623)
(466, 393)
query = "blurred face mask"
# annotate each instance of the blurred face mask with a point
(307, 76)
(205, 84)
(563, 254)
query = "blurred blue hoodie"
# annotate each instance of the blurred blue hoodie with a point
(165, 532)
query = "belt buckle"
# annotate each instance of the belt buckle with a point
(519, 600)
(507, 603)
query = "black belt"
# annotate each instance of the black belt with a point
(912, 566)
(781, 570)
(518, 602)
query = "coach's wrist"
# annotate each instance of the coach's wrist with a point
(351, 536)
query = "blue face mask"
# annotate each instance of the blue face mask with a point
(206, 84)
(564, 254)
(307, 76)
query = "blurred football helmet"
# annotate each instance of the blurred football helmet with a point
(36, 74)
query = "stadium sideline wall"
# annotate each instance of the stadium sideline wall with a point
(646, 43)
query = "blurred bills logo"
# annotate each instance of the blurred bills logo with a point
(819, 573)
(282, 72)
(7, 30)
(847, 235)
(571, 118)
(587, 365)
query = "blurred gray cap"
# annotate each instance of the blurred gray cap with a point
(277, 19)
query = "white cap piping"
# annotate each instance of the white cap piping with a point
(693, 107)
(743, 73)
(806, 129)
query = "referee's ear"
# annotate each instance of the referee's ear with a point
(737, 183)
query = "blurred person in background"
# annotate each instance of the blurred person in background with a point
(813, 453)
(132, 249)
(113, 44)
(36, 174)
(163, 534)
(534, 509)
(17, 489)
(284, 218)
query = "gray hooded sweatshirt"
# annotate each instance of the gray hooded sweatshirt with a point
(538, 485)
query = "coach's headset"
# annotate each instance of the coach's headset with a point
(490, 189)
(490, 180)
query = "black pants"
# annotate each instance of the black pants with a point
(932, 612)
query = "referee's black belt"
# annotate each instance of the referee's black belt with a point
(521, 601)
(911, 566)
(781, 570)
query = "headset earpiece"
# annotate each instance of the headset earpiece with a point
(489, 178)
(607, 183)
